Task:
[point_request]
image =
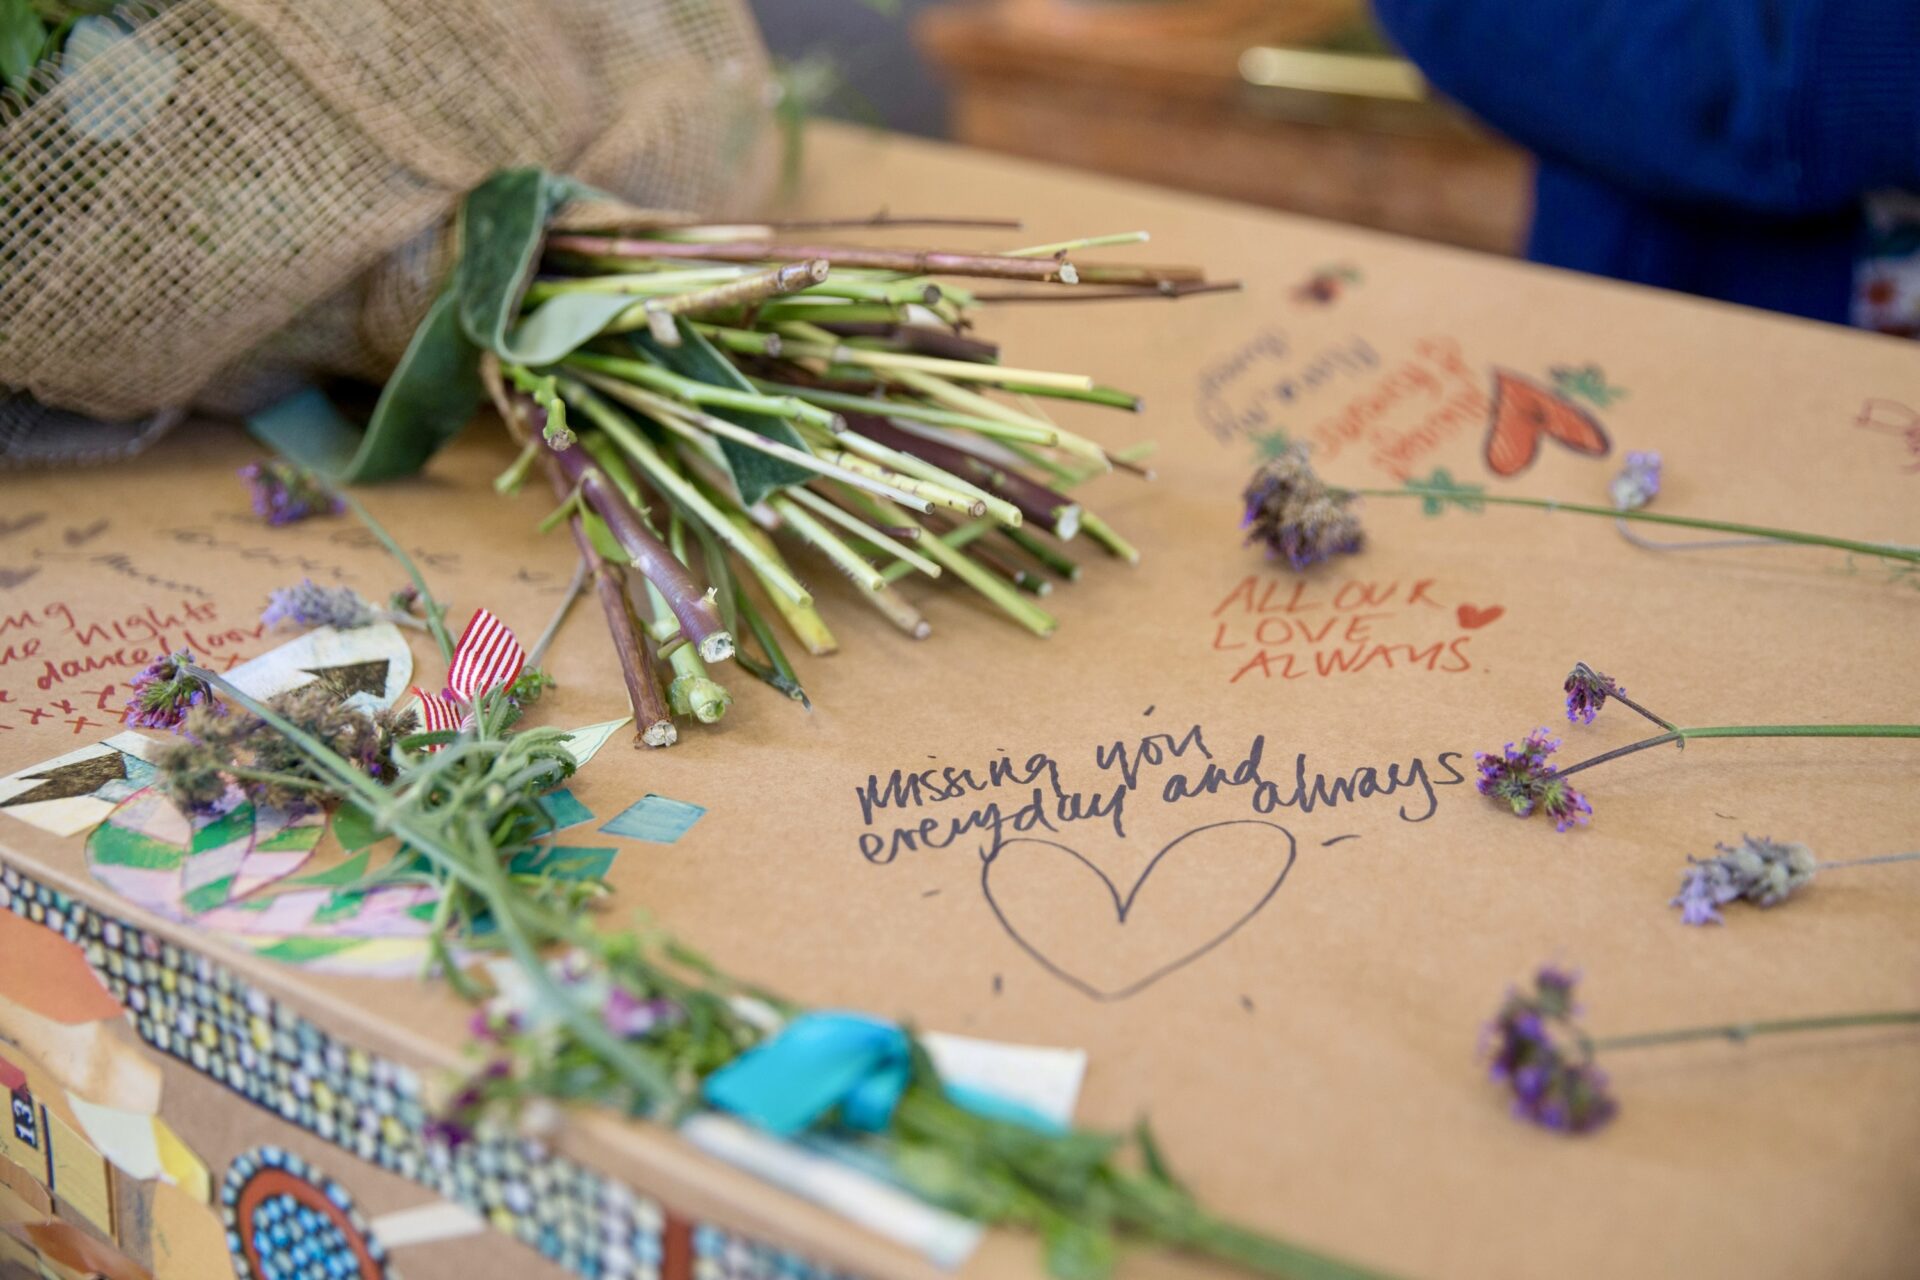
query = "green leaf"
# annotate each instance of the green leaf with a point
(1076, 1251)
(603, 540)
(1440, 488)
(426, 402)
(560, 325)
(22, 36)
(502, 222)
(1155, 1159)
(755, 473)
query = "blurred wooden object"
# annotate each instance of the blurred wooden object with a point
(1230, 98)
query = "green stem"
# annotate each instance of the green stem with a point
(1911, 554)
(1740, 1032)
(1750, 731)
(1871, 862)
(435, 615)
(545, 642)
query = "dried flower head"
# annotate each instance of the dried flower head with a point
(405, 601)
(1291, 510)
(163, 693)
(1588, 691)
(1764, 872)
(1536, 1049)
(197, 770)
(284, 493)
(1637, 483)
(631, 1017)
(311, 605)
(1523, 777)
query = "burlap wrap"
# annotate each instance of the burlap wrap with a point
(247, 192)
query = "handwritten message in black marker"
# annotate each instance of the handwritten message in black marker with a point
(983, 806)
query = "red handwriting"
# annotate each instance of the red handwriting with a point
(1410, 411)
(62, 648)
(1291, 630)
(1893, 418)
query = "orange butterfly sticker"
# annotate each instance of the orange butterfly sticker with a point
(1523, 411)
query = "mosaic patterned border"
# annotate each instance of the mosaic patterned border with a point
(197, 1011)
(288, 1221)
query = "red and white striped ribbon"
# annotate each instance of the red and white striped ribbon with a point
(487, 655)
(436, 713)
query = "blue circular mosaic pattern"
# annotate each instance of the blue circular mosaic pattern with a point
(287, 1221)
(295, 1241)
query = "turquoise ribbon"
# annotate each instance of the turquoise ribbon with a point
(822, 1061)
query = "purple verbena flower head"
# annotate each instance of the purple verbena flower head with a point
(1637, 483)
(163, 692)
(1761, 871)
(1588, 691)
(1536, 1049)
(311, 605)
(284, 493)
(1523, 778)
(630, 1017)
(1292, 512)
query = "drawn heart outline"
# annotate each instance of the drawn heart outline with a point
(1473, 618)
(1123, 906)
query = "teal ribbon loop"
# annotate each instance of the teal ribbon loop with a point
(849, 1061)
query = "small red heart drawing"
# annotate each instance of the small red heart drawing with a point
(1473, 619)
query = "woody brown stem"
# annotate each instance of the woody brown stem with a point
(1053, 512)
(916, 262)
(699, 619)
(653, 726)
(1170, 289)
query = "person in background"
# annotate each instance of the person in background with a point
(1764, 152)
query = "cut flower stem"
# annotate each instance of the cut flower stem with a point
(1741, 1032)
(1415, 490)
(1683, 736)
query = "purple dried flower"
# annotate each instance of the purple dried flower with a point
(163, 693)
(455, 1125)
(629, 1017)
(1763, 872)
(1638, 482)
(1588, 691)
(284, 493)
(311, 605)
(1536, 1049)
(1291, 511)
(1525, 779)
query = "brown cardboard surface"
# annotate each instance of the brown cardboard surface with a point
(1306, 1049)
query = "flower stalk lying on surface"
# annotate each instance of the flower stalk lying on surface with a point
(308, 604)
(1523, 778)
(1761, 871)
(1536, 1048)
(1307, 508)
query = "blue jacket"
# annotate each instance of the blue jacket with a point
(1721, 147)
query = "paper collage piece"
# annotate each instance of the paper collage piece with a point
(83, 1101)
(836, 1176)
(656, 819)
(250, 874)
(235, 874)
(372, 665)
(288, 1221)
(72, 792)
(585, 743)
